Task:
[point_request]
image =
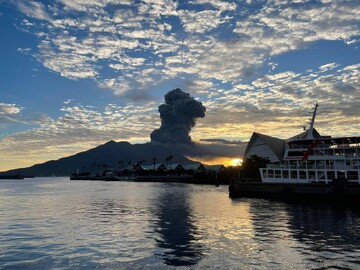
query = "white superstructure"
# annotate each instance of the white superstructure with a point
(316, 159)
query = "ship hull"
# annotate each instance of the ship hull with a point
(306, 192)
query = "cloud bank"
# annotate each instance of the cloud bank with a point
(127, 45)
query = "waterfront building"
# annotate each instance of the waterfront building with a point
(196, 167)
(265, 146)
(215, 168)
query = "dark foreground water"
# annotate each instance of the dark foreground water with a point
(55, 223)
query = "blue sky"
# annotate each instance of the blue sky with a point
(77, 73)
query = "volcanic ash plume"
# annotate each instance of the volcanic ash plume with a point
(178, 116)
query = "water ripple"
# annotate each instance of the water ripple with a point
(62, 224)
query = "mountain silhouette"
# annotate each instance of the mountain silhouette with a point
(109, 155)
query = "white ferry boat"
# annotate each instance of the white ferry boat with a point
(316, 159)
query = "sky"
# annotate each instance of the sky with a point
(77, 73)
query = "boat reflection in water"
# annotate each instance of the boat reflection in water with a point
(329, 233)
(307, 236)
(177, 235)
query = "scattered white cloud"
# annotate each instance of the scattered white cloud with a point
(33, 9)
(218, 4)
(66, 102)
(92, 5)
(199, 87)
(200, 21)
(168, 36)
(11, 114)
(327, 67)
(24, 50)
(8, 109)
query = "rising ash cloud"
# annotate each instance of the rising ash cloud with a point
(178, 116)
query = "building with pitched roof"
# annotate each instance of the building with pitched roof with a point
(265, 146)
(196, 167)
(154, 167)
(215, 168)
(175, 167)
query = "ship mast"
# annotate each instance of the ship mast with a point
(310, 132)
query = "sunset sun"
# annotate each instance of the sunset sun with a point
(236, 162)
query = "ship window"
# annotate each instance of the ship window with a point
(350, 152)
(293, 164)
(311, 164)
(341, 175)
(329, 164)
(302, 174)
(330, 175)
(353, 175)
(295, 153)
(293, 174)
(339, 152)
(271, 173)
(265, 173)
(321, 175)
(311, 175)
(294, 146)
(277, 174)
(329, 152)
(285, 174)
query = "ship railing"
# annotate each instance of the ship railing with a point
(317, 167)
(352, 145)
(277, 166)
(325, 146)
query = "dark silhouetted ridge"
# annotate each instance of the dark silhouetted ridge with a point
(109, 155)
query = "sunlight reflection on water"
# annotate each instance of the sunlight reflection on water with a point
(54, 223)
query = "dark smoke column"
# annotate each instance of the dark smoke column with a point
(178, 116)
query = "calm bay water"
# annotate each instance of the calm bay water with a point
(55, 223)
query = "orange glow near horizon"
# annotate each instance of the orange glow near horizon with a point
(226, 161)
